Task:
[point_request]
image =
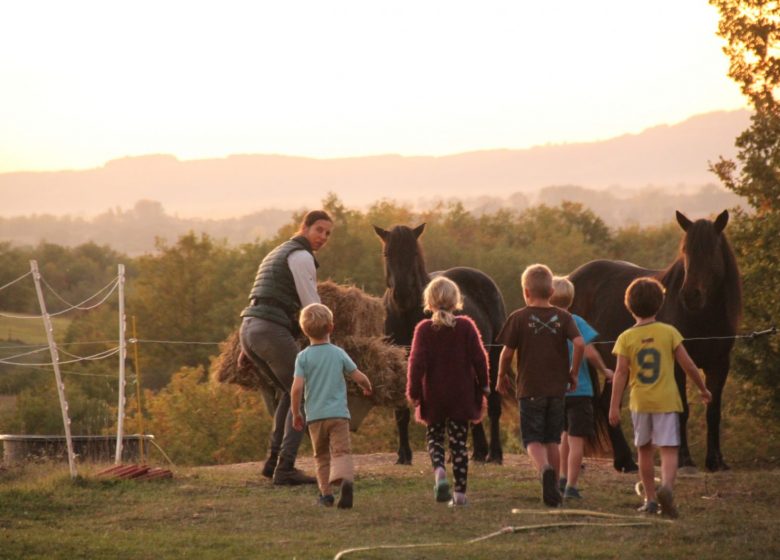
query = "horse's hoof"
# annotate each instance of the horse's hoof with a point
(716, 465)
(496, 459)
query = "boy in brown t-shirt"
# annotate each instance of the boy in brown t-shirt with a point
(538, 334)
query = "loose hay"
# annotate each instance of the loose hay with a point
(358, 328)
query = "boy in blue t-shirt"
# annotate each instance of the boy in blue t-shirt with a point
(578, 405)
(320, 369)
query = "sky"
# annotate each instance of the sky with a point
(82, 83)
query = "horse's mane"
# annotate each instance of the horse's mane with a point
(402, 240)
(696, 242)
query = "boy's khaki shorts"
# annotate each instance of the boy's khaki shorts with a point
(332, 451)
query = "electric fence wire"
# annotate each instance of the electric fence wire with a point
(99, 356)
(112, 285)
(12, 282)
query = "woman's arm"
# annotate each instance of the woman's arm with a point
(304, 273)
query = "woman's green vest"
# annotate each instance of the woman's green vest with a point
(273, 296)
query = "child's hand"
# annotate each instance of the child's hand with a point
(614, 416)
(368, 391)
(572, 382)
(298, 422)
(502, 385)
(608, 374)
(706, 396)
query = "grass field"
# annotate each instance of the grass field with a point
(232, 512)
(30, 331)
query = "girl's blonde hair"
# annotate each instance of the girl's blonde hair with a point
(442, 298)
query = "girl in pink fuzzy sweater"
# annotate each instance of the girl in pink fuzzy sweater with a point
(447, 381)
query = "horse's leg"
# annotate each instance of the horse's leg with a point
(494, 412)
(479, 443)
(623, 460)
(716, 381)
(494, 407)
(684, 453)
(402, 416)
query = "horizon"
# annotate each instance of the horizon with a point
(346, 79)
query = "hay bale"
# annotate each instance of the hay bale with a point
(383, 364)
(355, 313)
(359, 326)
(224, 368)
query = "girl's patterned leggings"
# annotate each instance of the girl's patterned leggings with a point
(458, 433)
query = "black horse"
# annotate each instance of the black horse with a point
(406, 278)
(703, 300)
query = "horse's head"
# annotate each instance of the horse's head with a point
(703, 252)
(405, 273)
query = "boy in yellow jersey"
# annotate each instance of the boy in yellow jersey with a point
(645, 358)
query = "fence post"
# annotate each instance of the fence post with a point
(56, 365)
(120, 423)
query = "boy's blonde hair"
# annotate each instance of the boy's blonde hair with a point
(316, 320)
(538, 280)
(442, 298)
(563, 292)
(644, 297)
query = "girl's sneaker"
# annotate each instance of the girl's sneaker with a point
(441, 490)
(562, 484)
(458, 500)
(571, 492)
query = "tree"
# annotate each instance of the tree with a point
(752, 31)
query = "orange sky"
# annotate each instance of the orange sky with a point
(86, 82)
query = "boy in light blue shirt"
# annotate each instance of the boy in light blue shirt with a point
(320, 371)
(578, 405)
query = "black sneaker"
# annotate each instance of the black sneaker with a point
(551, 496)
(292, 477)
(345, 500)
(326, 500)
(666, 501)
(648, 507)
(270, 466)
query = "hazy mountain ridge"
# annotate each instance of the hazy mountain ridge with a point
(135, 231)
(239, 185)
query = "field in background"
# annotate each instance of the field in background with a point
(29, 331)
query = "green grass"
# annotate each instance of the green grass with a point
(232, 512)
(30, 331)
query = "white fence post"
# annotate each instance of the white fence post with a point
(120, 423)
(56, 364)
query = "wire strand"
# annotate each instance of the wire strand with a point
(12, 282)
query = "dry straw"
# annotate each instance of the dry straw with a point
(358, 328)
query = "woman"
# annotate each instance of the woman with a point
(286, 282)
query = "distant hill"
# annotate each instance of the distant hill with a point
(663, 156)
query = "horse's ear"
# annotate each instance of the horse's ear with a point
(382, 233)
(418, 230)
(684, 222)
(721, 221)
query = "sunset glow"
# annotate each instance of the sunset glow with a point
(82, 83)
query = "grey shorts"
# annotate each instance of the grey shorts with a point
(578, 420)
(662, 429)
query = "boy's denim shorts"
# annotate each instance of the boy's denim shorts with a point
(578, 420)
(541, 419)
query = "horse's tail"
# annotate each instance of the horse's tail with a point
(598, 445)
